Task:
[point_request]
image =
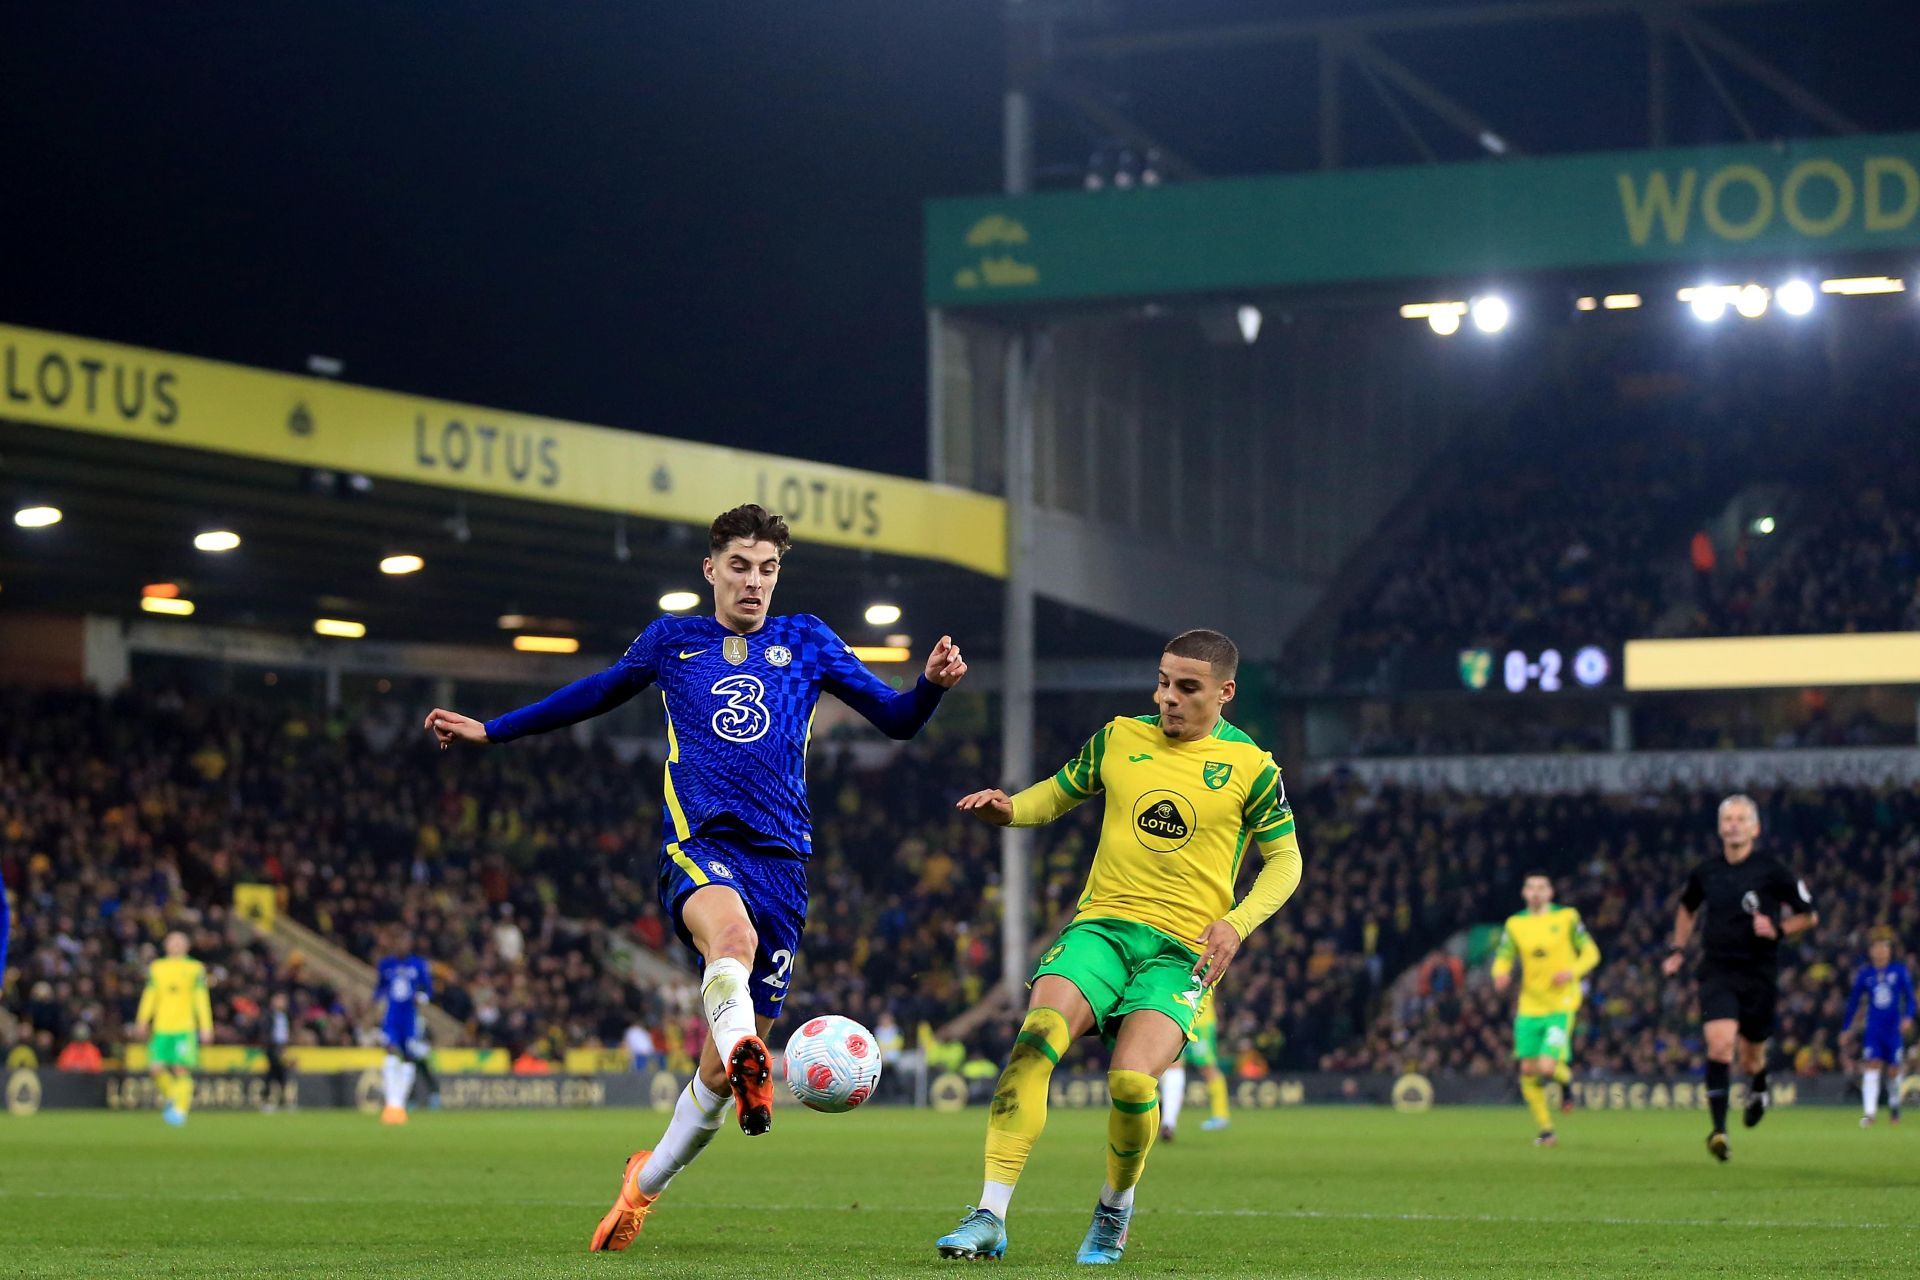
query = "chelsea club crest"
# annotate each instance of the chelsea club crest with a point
(779, 655)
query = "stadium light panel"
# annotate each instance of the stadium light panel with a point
(1796, 297)
(405, 563)
(161, 590)
(1763, 526)
(512, 621)
(546, 644)
(1586, 304)
(882, 615)
(172, 607)
(678, 601)
(900, 640)
(1751, 301)
(1709, 304)
(1422, 310)
(882, 653)
(339, 628)
(1622, 301)
(1249, 319)
(1854, 286)
(216, 540)
(1491, 313)
(37, 517)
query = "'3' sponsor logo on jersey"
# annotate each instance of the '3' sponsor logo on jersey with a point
(744, 718)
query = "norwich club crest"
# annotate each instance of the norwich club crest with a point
(1215, 774)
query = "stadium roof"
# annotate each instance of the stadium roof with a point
(320, 493)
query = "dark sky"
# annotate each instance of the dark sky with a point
(699, 219)
(659, 216)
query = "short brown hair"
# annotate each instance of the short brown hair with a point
(1210, 647)
(751, 522)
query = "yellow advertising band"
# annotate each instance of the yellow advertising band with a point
(80, 384)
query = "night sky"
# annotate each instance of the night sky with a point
(697, 219)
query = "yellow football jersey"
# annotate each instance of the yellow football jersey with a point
(1555, 941)
(1178, 820)
(175, 1000)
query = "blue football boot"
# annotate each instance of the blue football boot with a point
(981, 1234)
(1106, 1237)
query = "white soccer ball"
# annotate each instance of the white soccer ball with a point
(833, 1064)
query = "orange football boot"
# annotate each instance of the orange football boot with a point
(750, 1073)
(629, 1213)
(393, 1115)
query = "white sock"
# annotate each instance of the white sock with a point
(1116, 1199)
(729, 1004)
(995, 1197)
(696, 1118)
(1893, 1098)
(407, 1072)
(1870, 1091)
(1173, 1094)
(390, 1078)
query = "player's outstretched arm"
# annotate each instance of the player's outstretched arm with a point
(991, 806)
(900, 714)
(449, 727)
(585, 698)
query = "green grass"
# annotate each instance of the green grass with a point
(1320, 1192)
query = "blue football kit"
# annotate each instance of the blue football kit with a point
(402, 983)
(739, 715)
(1888, 995)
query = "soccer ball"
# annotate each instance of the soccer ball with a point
(833, 1064)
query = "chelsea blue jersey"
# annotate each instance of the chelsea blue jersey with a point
(739, 714)
(1888, 995)
(401, 980)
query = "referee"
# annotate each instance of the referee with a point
(1744, 905)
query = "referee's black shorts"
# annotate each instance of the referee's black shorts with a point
(1745, 994)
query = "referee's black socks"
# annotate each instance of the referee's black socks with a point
(1718, 1074)
(1759, 1082)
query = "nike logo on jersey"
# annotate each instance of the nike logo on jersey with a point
(690, 653)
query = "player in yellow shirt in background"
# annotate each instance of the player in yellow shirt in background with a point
(175, 1005)
(1203, 1055)
(1186, 794)
(1554, 952)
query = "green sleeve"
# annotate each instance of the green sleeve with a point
(1080, 776)
(1267, 814)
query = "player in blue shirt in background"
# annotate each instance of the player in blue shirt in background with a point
(1886, 988)
(740, 689)
(403, 985)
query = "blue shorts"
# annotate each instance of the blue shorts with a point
(773, 885)
(1884, 1047)
(402, 1039)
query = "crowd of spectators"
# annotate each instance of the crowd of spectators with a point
(1634, 493)
(526, 876)
(1621, 861)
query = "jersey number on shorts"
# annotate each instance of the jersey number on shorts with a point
(782, 964)
(745, 717)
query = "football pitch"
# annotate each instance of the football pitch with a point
(1315, 1192)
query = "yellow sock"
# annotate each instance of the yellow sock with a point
(1131, 1125)
(1019, 1110)
(1562, 1073)
(183, 1092)
(1536, 1095)
(1217, 1097)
